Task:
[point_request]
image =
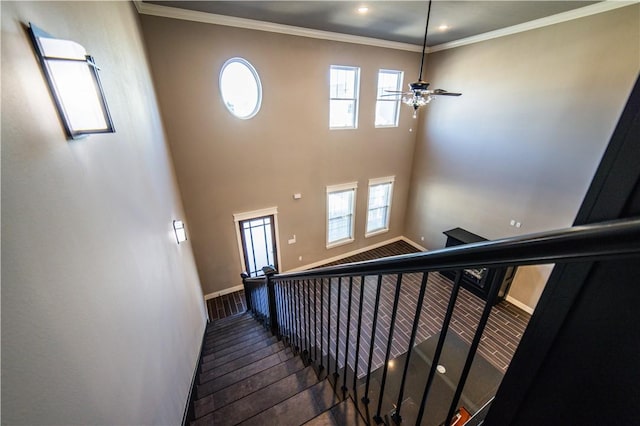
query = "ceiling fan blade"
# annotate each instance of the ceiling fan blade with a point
(441, 92)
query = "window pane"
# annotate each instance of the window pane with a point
(339, 228)
(378, 207)
(379, 195)
(343, 94)
(342, 113)
(387, 107)
(377, 219)
(340, 213)
(342, 82)
(387, 113)
(388, 81)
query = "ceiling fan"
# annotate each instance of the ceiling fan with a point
(419, 93)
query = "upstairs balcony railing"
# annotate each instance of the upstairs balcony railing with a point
(332, 316)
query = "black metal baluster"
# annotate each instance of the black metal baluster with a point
(355, 367)
(335, 370)
(394, 313)
(397, 418)
(289, 313)
(491, 298)
(303, 320)
(308, 286)
(294, 319)
(365, 397)
(321, 367)
(315, 319)
(277, 303)
(329, 327)
(346, 342)
(297, 313)
(439, 346)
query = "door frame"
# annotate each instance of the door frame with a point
(254, 214)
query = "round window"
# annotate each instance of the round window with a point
(240, 88)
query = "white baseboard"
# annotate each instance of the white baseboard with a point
(413, 243)
(519, 304)
(223, 292)
(343, 256)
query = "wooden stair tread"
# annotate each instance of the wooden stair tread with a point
(229, 378)
(299, 408)
(257, 402)
(240, 389)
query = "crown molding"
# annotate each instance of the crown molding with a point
(231, 21)
(601, 7)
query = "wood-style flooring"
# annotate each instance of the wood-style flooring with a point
(501, 337)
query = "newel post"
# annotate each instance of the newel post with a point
(247, 298)
(269, 272)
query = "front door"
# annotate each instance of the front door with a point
(258, 244)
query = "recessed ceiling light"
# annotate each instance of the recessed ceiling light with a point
(443, 27)
(363, 9)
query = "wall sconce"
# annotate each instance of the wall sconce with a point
(73, 79)
(181, 233)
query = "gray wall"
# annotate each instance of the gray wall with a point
(225, 165)
(525, 138)
(102, 313)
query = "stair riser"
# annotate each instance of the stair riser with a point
(219, 345)
(241, 362)
(233, 348)
(240, 328)
(219, 362)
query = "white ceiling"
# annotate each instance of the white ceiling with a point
(398, 21)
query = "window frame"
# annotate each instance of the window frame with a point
(254, 72)
(396, 99)
(333, 189)
(355, 99)
(390, 180)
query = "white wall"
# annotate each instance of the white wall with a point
(102, 313)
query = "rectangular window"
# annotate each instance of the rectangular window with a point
(379, 205)
(341, 208)
(344, 87)
(388, 107)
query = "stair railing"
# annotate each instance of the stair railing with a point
(305, 309)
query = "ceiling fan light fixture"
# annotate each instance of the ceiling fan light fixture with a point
(417, 100)
(419, 94)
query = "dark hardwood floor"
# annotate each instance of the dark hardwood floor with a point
(226, 305)
(501, 337)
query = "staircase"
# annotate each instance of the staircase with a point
(246, 376)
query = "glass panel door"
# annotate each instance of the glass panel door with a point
(258, 244)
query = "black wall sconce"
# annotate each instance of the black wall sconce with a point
(73, 79)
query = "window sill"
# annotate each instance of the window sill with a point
(376, 232)
(340, 243)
